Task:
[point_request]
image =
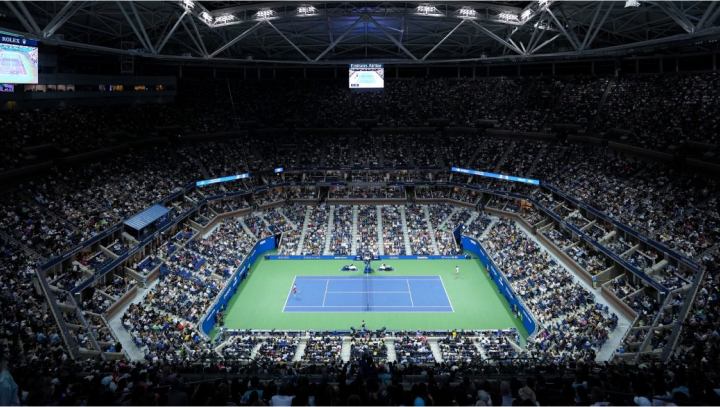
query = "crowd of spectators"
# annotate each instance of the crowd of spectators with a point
(326, 350)
(314, 243)
(393, 230)
(421, 240)
(413, 348)
(342, 230)
(572, 324)
(369, 348)
(367, 230)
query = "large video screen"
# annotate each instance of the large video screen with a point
(18, 60)
(367, 76)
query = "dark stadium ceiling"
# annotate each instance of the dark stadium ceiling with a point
(392, 32)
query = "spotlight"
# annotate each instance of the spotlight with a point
(467, 12)
(632, 3)
(224, 19)
(264, 14)
(508, 16)
(188, 5)
(306, 10)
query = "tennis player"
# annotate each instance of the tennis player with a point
(295, 291)
(457, 272)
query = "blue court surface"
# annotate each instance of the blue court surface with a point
(368, 294)
(366, 77)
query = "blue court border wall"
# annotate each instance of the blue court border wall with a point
(504, 287)
(260, 248)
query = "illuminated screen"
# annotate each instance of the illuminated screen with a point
(5, 87)
(18, 60)
(367, 76)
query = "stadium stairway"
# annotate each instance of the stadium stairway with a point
(329, 230)
(115, 323)
(505, 156)
(308, 211)
(381, 245)
(390, 346)
(406, 236)
(432, 342)
(454, 211)
(246, 228)
(538, 157)
(353, 249)
(608, 90)
(300, 351)
(281, 212)
(431, 230)
(346, 352)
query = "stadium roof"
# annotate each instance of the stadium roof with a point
(393, 32)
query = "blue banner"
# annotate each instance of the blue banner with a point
(230, 288)
(6, 39)
(502, 284)
(222, 179)
(496, 176)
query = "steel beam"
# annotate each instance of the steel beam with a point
(592, 25)
(197, 48)
(61, 17)
(142, 27)
(675, 14)
(338, 39)
(396, 42)
(709, 22)
(589, 42)
(494, 36)
(534, 50)
(29, 17)
(562, 29)
(288, 41)
(199, 37)
(19, 16)
(443, 39)
(132, 25)
(706, 14)
(236, 39)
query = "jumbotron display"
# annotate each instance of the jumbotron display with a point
(18, 60)
(367, 76)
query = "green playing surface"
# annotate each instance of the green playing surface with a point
(476, 301)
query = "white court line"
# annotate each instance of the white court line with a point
(289, 292)
(412, 303)
(364, 306)
(365, 292)
(326, 291)
(446, 294)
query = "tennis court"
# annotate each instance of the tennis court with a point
(470, 302)
(366, 77)
(368, 294)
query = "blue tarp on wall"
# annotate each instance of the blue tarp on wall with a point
(227, 293)
(503, 285)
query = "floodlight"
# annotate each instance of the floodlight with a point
(543, 3)
(632, 3)
(264, 14)
(206, 17)
(306, 10)
(467, 12)
(224, 19)
(426, 9)
(508, 16)
(526, 15)
(188, 5)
